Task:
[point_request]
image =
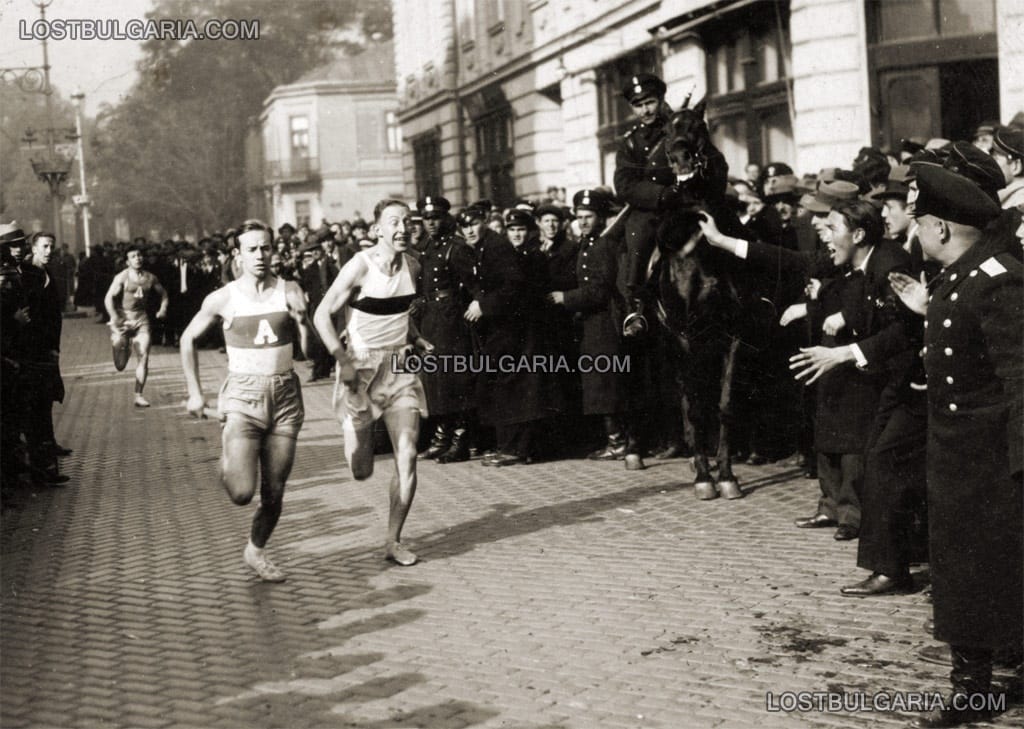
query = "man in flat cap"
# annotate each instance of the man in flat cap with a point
(445, 281)
(974, 457)
(642, 178)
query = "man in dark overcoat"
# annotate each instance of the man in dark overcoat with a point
(974, 323)
(599, 304)
(446, 277)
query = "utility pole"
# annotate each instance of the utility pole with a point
(52, 168)
(83, 198)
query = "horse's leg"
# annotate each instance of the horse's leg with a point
(694, 432)
(727, 482)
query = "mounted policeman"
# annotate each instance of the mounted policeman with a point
(642, 177)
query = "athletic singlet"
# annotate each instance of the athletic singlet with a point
(380, 313)
(258, 334)
(134, 294)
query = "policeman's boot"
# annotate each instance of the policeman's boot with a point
(615, 450)
(440, 442)
(972, 684)
(635, 323)
(458, 451)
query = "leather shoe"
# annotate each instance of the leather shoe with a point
(503, 459)
(878, 584)
(818, 521)
(61, 451)
(845, 533)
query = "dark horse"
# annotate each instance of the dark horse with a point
(701, 297)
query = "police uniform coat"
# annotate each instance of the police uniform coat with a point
(498, 284)
(446, 277)
(597, 302)
(642, 173)
(974, 365)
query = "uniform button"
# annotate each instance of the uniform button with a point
(974, 273)
(948, 351)
(586, 278)
(954, 296)
(947, 323)
(952, 277)
(926, 325)
(924, 351)
(949, 380)
(952, 407)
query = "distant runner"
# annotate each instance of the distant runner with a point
(130, 322)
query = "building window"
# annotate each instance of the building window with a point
(426, 153)
(933, 68)
(302, 212)
(614, 114)
(748, 80)
(299, 128)
(394, 132)
(495, 161)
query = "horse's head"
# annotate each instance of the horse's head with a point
(688, 141)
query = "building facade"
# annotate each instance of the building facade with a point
(506, 98)
(328, 146)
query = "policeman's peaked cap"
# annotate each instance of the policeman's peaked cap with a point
(952, 197)
(433, 205)
(643, 84)
(593, 200)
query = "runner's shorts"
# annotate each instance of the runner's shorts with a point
(270, 404)
(379, 389)
(132, 327)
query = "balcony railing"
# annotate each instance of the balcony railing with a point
(295, 169)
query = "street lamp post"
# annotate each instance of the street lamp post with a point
(83, 198)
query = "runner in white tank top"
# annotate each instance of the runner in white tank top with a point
(378, 287)
(260, 403)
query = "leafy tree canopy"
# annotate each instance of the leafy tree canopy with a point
(172, 154)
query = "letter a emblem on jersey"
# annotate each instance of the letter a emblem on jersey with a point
(265, 333)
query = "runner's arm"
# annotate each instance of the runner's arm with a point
(208, 314)
(336, 297)
(300, 314)
(164, 298)
(116, 289)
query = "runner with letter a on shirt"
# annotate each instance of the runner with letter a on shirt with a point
(260, 404)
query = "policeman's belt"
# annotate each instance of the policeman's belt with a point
(440, 294)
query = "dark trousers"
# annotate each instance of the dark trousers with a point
(516, 438)
(893, 497)
(840, 476)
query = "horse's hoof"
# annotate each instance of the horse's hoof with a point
(705, 490)
(730, 489)
(634, 462)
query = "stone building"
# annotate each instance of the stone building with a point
(500, 98)
(328, 146)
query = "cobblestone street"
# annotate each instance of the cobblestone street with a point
(570, 594)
